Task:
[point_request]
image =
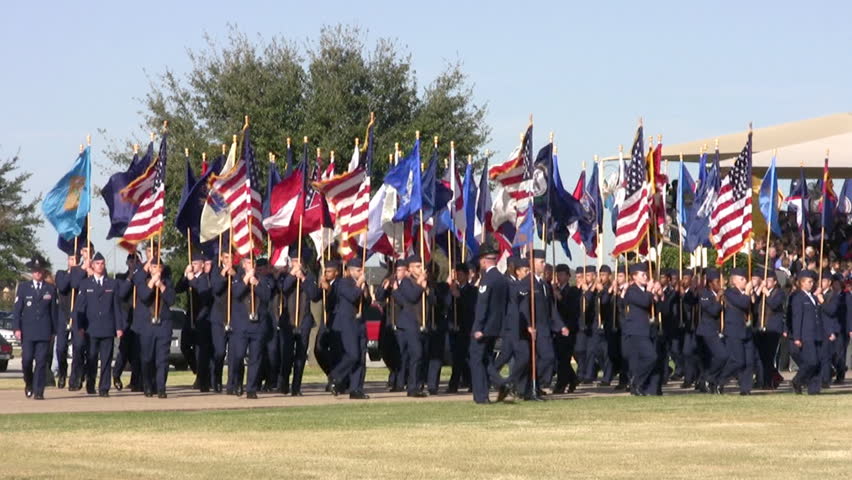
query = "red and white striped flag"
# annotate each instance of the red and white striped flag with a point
(238, 189)
(633, 219)
(730, 221)
(456, 204)
(512, 195)
(342, 193)
(286, 205)
(149, 192)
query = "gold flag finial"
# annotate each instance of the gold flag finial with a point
(135, 148)
(288, 142)
(185, 152)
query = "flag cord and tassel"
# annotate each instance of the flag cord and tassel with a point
(189, 254)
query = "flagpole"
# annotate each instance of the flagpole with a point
(159, 247)
(482, 239)
(392, 160)
(89, 213)
(552, 240)
(422, 257)
(822, 222)
(680, 247)
(531, 275)
(584, 254)
(369, 181)
(268, 237)
(229, 279)
(450, 233)
(73, 290)
(189, 254)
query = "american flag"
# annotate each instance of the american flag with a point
(329, 170)
(515, 179)
(730, 221)
(342, 193)
(238, 188)
(456, 203)
(633, 216)
(149, 189)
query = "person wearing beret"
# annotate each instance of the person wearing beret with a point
(770, 326)
(34, 322)
(351, 294)
(739, 299)
(99, 311)
(807, 334)
(638, 344)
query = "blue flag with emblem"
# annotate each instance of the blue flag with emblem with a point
(68, 203)
(686, 207)
(768, 198)
(405, 179)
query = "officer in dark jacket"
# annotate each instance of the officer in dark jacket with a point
(221, 276)
(99, 311)
(128, 347)
(768, 311)
(711, 349)
(487, 324)
(688, 313)
(832, 307)
(638, 345)
(389, 336)
(515, 336)
(464, 308)
(67, 329)
(154, 296)
(326, 344)
(808, 334)
(547, 323)
(737, 331)
(351, 295)
(34, 321)
(250, 296)
(408, 294)
(568, 300)
(195, 281)
(295, 332)
(597, 356)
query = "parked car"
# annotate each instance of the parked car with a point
(6, 329)
(5, 354)
(176, 358)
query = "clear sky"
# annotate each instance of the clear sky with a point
(586, 71)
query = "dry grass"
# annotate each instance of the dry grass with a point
(777, 436)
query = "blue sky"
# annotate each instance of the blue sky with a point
(586, 71)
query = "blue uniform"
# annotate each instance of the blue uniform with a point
(547, 323)
(35, 314)
(218, 321)
(389, 339)
(66, 283)
(465, 308)
(766, 339)
(711, 349)
(408, 296)
(351, 336)
(99, 312)
(638, 345)
(807, 328)
(294, 338)
(489, 317)
(597, 340)
(738, 340)
(515, 338)
(128, 347)
(833, 308)
(247, 331)
(568, 309)
(154, 335)
(200, 292)
(688, 312)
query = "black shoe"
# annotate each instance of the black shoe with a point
(240, 390)
(204, 389)
(333, 388)
(251, 395)
(504, 391)
(61, 382)
(572, 387)
(296, 393)
(116, 382)
(149, 393)
(195, 384)
(559, 389)
(451, 390)
(419, 394)
(745, 394)
(136, 389)
(720, 389)
(433, 391)
(329, 387)
(162, 394)
(826, 385)
(797, 387)
(397, 389)
(39, 396)
(540, 392)
(701, 387)
(91, 390)
(217, 388)
(28, 391)
(533, 398)
(364, 396)
(604, 384)
(229, 391)
(103, 394)
(620, 387)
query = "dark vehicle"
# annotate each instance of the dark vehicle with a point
(5, 354)
(176, 358)
(6, 329)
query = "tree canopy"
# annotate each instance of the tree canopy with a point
(20, 221)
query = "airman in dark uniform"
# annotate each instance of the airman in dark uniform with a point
(737, 331)
(464, 305)
(638, 344)
(250, 293)
(768, 313)
(154, 296)
(34, 320)
(351, 293)
(296, 333)
(711, 349)
(808, 335)
(487, 325)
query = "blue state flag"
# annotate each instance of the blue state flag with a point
(685, 205)
(405, 179)
(524, 232)
(844, 200)
(768, 198)
(68, 203)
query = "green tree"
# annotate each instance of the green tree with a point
(324, 90)
(20, 221)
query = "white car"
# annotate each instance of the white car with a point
(6, 329)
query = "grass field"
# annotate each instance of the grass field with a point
(766, 436)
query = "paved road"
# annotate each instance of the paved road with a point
(181, 397)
